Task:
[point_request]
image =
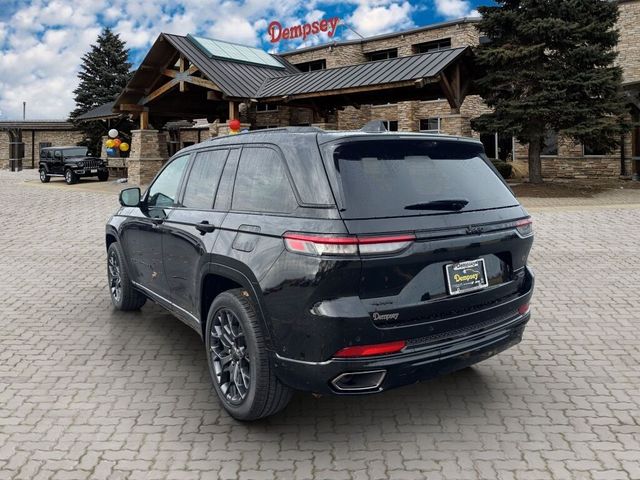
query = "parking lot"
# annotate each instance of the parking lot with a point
(87, 392)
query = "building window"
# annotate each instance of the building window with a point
(382, 54)
(311, 66)
(483, 40)
(266, 107)
(550, 143)
(430, 125)
(433, 46)
(390, 125)
(593, 150)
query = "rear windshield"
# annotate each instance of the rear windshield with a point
(390, 178)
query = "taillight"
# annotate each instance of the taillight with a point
(525, 227)
(371, 350)
(346, 245)
(524, 308)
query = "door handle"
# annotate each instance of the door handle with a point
(205, 227)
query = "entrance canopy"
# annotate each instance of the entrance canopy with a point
(188, 77)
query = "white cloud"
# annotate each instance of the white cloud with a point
(372, 18)
(455, 8)
(42, 42)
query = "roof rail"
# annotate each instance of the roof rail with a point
(275, 130)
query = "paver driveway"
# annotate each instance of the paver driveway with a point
(86, 392)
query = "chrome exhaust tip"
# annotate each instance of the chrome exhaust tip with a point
(359, 381)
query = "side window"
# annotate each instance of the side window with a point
(57, 154)
(262, 184)
(204, 179)
(164, 190)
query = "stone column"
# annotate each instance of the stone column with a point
(407, 121)
(148, 153)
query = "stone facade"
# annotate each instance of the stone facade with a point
(148, 153)
(629, 42)
(32, 138)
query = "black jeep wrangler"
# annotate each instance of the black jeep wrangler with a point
(338, 263)
(70, 163)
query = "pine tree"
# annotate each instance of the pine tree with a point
(104, 72)
(549, 66)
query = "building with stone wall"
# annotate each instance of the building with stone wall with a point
(36, 134)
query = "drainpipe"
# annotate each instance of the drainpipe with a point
(623, 160)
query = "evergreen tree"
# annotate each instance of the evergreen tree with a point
(549, 66)
(104, 72)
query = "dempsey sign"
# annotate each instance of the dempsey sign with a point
(277, 32)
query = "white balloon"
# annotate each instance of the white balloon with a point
(113, 133)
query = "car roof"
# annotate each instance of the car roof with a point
(63, 148)
(301, 134)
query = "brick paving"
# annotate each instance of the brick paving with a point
(87, 392)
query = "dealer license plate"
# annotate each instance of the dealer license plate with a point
(466, 276)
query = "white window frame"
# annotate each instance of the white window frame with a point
(439, 119)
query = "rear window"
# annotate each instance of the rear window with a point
(390, 178)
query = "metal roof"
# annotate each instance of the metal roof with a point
(394, 70)
(100, 112)
(235, 79)
(37, 124)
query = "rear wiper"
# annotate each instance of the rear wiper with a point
(451, 204)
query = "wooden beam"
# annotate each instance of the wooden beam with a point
(132, 107)
(181, 67)
(159, 91)
(144, 120)
(234, 110)
(449, 92)
(202, 82)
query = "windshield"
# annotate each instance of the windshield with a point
(75, 152)
(400, 177)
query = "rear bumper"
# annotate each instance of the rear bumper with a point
(419, 361)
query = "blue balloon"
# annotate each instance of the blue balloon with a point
(111, 152)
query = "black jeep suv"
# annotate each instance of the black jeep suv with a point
(330, 262)
(70, 163)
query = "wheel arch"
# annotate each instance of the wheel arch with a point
(221, 278)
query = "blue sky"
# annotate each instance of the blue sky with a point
(42, 41)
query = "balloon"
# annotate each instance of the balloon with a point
(124, 146)
(113, 133)
(117, 142)
(111, 152)
(109, 143)
(234, 124)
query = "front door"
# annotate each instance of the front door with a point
(142, 233)
(57, 162)
(192, 228)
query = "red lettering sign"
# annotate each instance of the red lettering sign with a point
(277, 32)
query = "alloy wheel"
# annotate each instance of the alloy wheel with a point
(43, 175)
(230, 356)
(115, 280)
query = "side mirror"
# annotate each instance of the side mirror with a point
(130, 197)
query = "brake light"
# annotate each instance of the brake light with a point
(346, 245)
(371, 350)
(525, 227)
(522, 309)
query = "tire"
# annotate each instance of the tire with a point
(123, 295)
(70, 177)
(103, 176)
(44, 178)
(260, 396)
